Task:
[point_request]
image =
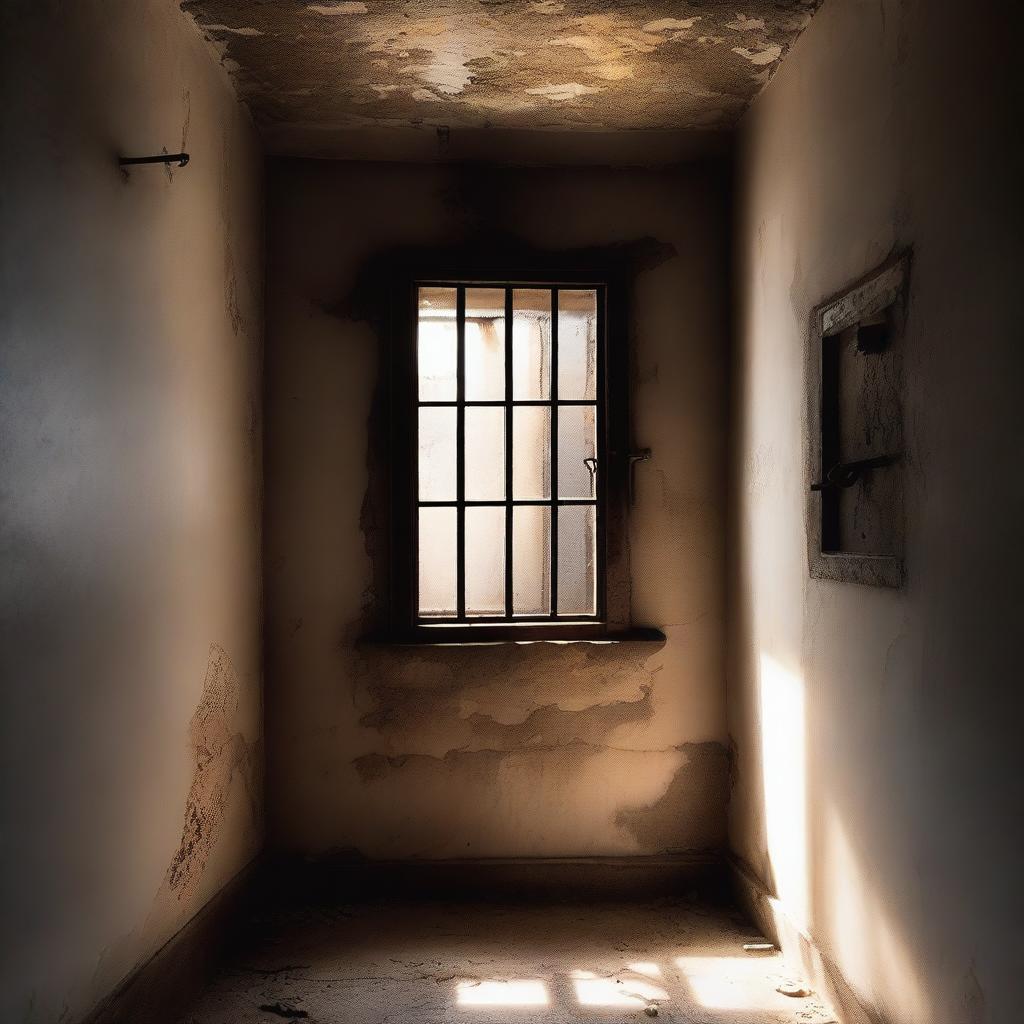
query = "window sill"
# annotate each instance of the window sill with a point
(480, 636)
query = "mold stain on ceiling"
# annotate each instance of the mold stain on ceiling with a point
(590, 64)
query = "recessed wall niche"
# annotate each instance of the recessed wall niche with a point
(855, 466)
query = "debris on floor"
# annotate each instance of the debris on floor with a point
(793, 988)
(494, 962)
(281, 1010)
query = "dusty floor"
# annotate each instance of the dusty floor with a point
(492, 964)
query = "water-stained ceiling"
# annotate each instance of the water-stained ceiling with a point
(589, 64)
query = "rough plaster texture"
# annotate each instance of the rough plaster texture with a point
(434, 962)
(877, 784)
(130, 317)
(536, 750)
(306, 67)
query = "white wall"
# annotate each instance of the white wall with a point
(130, 338)
(878, 789)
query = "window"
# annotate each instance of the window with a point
(506, 413)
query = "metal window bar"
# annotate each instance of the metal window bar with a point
(509, 503)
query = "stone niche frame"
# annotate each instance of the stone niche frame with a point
(855, 385)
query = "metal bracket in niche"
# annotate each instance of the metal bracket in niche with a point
(846, 474)
(164, 158)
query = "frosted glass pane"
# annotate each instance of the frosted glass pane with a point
(531, 560)
(577, 560)
(577, 441)
(437, 345)
(485, 344)
(485, 561)
(531, 452)
(577, 344)
(531, 343)
(437, 561)
(437, 454)
(485, 453)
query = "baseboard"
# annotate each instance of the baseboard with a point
(771, 917)
(159, 990)
(348, 877)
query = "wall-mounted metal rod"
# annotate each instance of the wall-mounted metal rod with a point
(846, 474)
(164, 158)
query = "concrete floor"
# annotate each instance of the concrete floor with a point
(479, 963)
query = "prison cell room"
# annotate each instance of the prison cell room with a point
(509, 512)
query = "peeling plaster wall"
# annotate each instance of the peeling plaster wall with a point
(131, 327)
(878, 785)
(540, 750)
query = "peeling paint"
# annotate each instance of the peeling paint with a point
(569, 91)
(664, 24)
(246, 31)
(221, 755)
(745, 24)
(766, 56)
(343, 8)
(306, 67)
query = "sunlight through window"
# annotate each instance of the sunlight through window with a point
(727, 983)
(632, 992)
(502, 993)
(651, 970)
(785, 787)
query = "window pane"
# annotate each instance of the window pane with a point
(437, 440)
(485, 344)
(485, 453)
(531, 343)
(531, 452)
(577, 560)
(577, 441)
(485, 561)
(437, 563)
(577, 344)
(531, 560)
(437, 345)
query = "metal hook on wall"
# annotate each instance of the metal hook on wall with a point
(641, 455)
(164, 158)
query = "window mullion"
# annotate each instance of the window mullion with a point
(460, 445)
(508, 452)
(554, 452)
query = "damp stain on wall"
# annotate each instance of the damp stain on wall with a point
(532, 730)
(688, 815)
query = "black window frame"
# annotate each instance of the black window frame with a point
(610, 501)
